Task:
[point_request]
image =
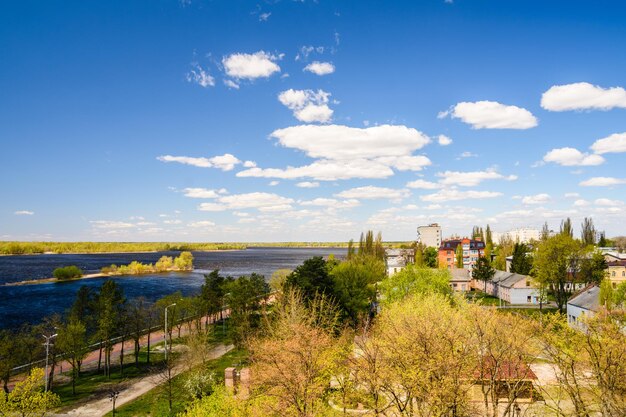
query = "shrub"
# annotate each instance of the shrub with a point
(67, 272)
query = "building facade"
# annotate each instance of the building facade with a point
(585, 303)
(429, 235)
(511, 287)
(472, 250)
(397, 259)
(616, 272)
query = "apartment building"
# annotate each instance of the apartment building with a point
(429, 235)
(472, 250)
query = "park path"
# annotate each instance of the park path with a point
(135, 388)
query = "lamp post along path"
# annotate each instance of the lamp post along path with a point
(47, 345)
(166, 347)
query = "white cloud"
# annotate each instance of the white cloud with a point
(615, 143)
(201, 224)
(331, 203)
(571, 195)
(536, 199)
(492, 115)
(608, 202)
(111, 224)
(572, 157)
(305, 51)
(258, 200)
(581, 203)
(307, 105)
(200, 76)
(175, 221)
(583, 96)
(452, 194)
(250, 66)
(24, 213)
(343, 142)
(308, 184)
(231, 84)
(371, 192)
(224, 162)
(200, 193)
(602, 182)
(471, 178)
(423, 184)
(444, 140)
(264, 16)
(467, 154)
(272, 183)
(344, 152)
(249, 164)
(320, 68)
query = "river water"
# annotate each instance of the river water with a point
(30, 303)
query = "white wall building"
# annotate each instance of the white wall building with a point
(520, 235)
(512, 288)
(586, 303)
(429, 235)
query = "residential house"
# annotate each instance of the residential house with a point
(461, 280)
(511, 287)
(616, 272)
(472, 250)
(584, 303)
(429, 235)
(397, 259)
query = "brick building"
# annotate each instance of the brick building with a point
(472, 250)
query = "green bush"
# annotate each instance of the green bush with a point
(67, 272)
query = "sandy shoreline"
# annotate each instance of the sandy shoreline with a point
(86, 276)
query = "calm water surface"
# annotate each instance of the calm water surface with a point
(30, 303)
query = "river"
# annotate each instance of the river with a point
(30, 303)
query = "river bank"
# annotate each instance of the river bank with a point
(86, 276)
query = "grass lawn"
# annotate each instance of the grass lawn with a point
(485, 299)
(155, 401)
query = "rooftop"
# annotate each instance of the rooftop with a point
(588, 298)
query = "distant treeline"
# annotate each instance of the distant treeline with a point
(31, 248)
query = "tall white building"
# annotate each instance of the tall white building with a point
(524, 234)
(429, 235)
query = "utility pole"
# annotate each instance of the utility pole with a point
(47, 345)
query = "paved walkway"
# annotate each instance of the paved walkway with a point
(135, 389)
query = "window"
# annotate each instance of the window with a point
(529, 299)
(528, 283)
(613, 273)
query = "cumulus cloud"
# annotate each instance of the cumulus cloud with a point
(231, 84)
(615, 143)
(201, 224)
(602, 182)
(256, 200)
(452, 194)
(307, 105)
(572, 157)
(444, 140)
(200, 193)
(491, 115)
(581, 203)
(24, 213)
(200, 76)
(423, 184)
(583, 96)
(250, 66)
(608, 202)
(536, 199)
(308, 184)
(344, 152)
(471, 178)
(320, 68)
(371, 192)
(331, 203)
(224, 162)
(111, 224)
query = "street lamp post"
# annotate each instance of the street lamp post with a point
(171, 305)
(47, 345)
(112, 397)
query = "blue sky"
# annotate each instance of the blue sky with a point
(300, 120)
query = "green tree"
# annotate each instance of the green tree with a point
(246, 298)
(110, 304)
(28, 399)
(588, 232)
(311, 278)
(431, 257)
(278, 278)
(165, 263)
(212, 292)
(414, 280)
(184, 261)
(67, 272)
(593, 268)
(459, 256)
(483, 271)
(351, 251)
(566, 228)
(504, 249)
(488, 236)
(419, 254)
(521, 263)
(555, 264)
(72, 341)
(545, 232)
(354, 286)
